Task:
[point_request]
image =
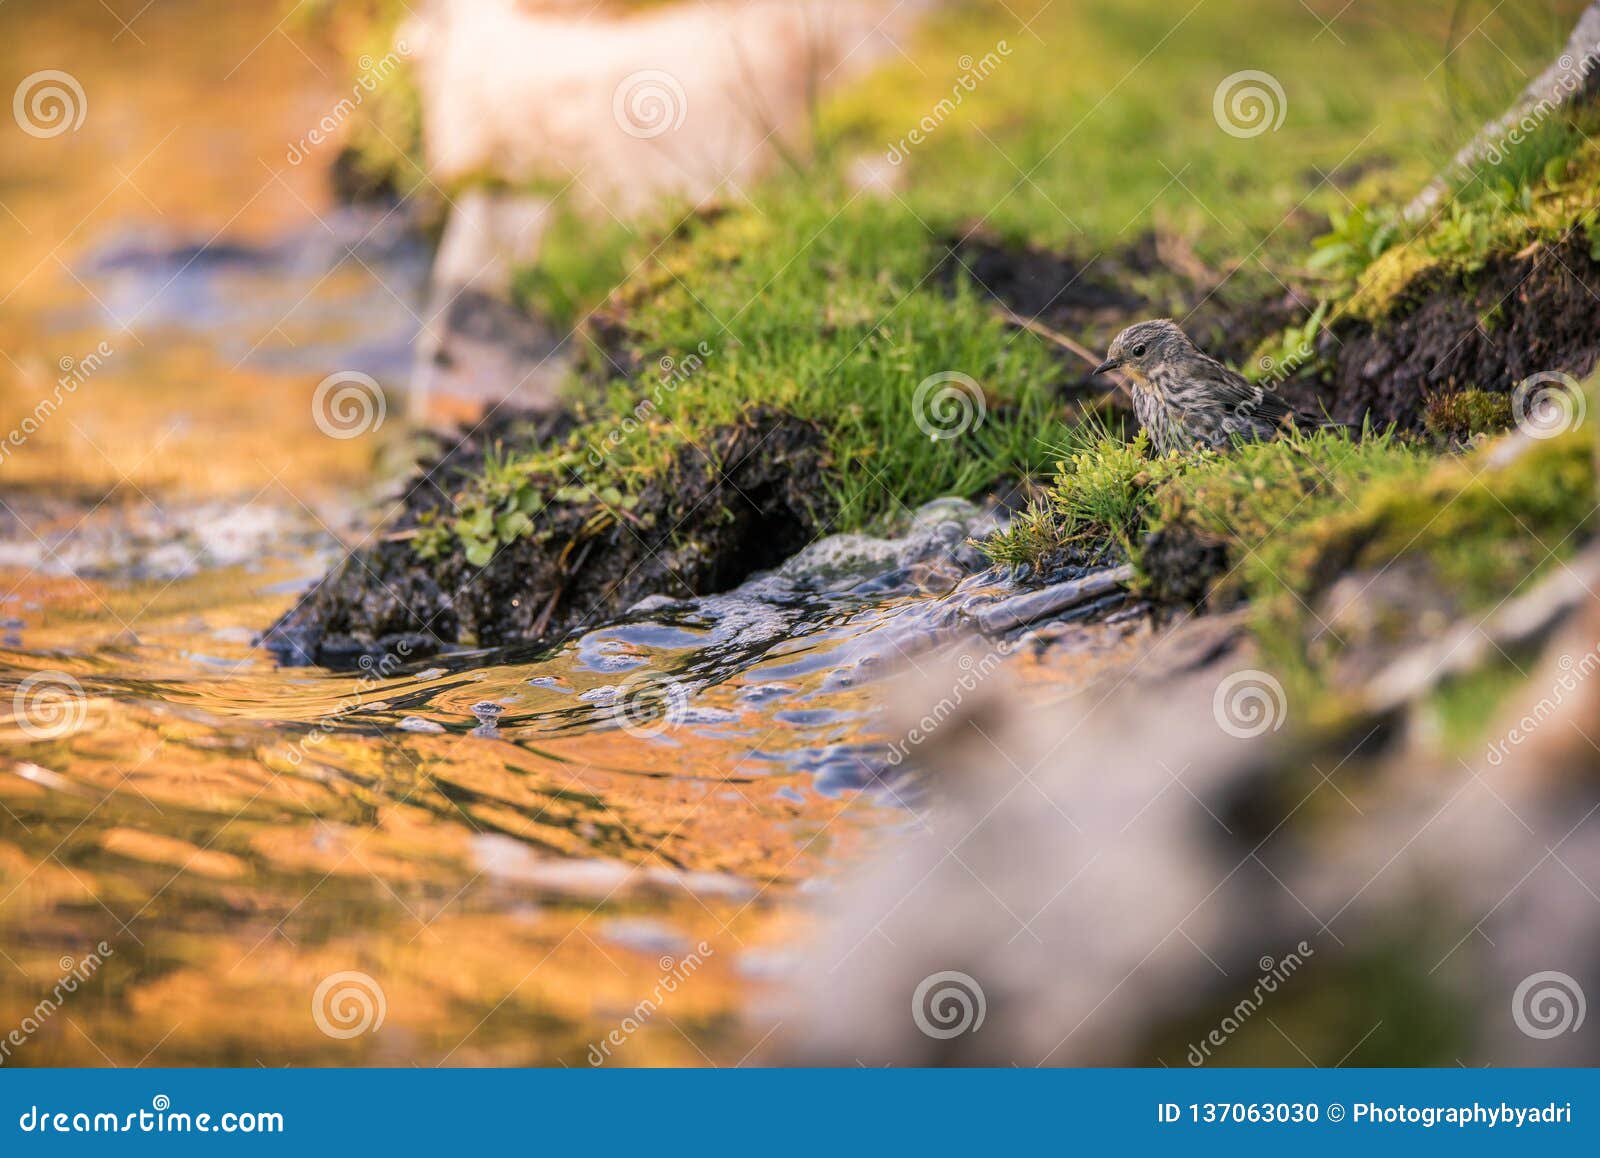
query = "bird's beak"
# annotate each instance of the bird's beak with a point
(1108, 364)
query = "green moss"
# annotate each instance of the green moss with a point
(825, 316)
(1536, 191)
(1251, 500)
(1274, 524)
(1110, 496)
(1094, 508)
(1488, 528)
(1461, 414)
(1479, 528)
(1382, 286)
(813, 297)
(1501, 210)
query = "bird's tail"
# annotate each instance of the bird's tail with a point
(1308, 423)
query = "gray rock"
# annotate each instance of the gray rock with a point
(1036, 605)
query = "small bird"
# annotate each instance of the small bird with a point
(1184, 398)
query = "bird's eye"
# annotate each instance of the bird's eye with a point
(1138, 351)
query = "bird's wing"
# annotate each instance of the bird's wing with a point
(1247, 399)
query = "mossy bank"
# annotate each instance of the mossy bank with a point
(824, 352)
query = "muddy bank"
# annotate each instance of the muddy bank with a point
(1092, 297)
(1521, 314)
(742, 502)
(749, 497)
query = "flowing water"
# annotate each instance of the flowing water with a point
(477, 859)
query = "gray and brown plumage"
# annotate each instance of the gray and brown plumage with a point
(1185, 398)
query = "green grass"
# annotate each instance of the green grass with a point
(1109, 495)
(1471, 528)
(580, 262)
(1536, 191)
(1484, 528)
(1274, 524)
(1464, 414)
(740, 307)
(1096, 508)
(1099, 124)
(1095, 126)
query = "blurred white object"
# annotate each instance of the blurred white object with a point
(678, 100)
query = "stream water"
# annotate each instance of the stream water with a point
(480, 859)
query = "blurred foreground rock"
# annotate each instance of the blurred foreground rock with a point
(1166, 870)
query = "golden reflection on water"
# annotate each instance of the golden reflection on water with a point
(236, 834)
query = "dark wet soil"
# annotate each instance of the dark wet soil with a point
(1091, 298)
(1518, 315)
(1057, 289)
(1180, 565)
(741, 502)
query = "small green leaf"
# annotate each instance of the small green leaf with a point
(1328, 255)
(512, 526)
